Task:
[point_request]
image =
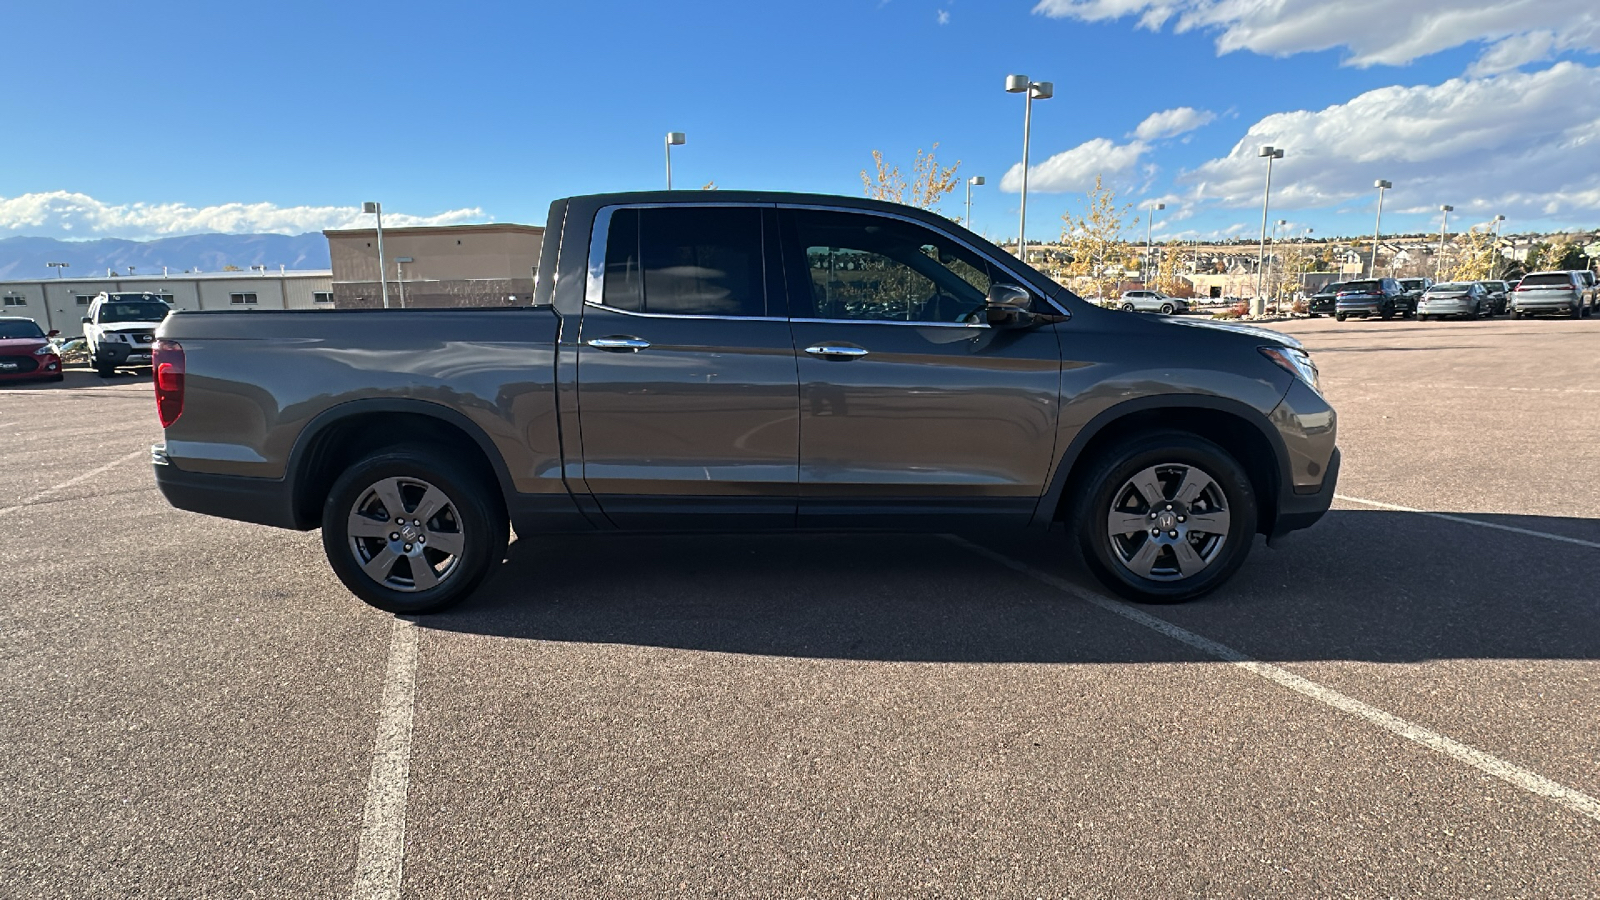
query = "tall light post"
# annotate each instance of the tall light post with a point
(58, 267)
(1269, 153)
(1032, 90)
(376, 209)
(400, 276)
(1438, 266)
(1377, 228)
(1271, 286)
(1497, 221)
(976, 179)
(674, 139)
(1150, 216)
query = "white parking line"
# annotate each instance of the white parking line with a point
(1512, 774)
(28, 501)
(382, 850)
(1466, 521)
(1471, 387)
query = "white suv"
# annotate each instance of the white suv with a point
(120, 329)
(1153, 301)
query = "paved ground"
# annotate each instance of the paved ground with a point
(191, 704)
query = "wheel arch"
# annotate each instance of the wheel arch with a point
(1241, 430)
(339, 436)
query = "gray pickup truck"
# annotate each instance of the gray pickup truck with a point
(737, 361)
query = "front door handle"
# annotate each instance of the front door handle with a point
(829, 351)
(620, 343)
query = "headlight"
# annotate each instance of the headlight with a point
(111, 336)
(46, 350)
(1296, 362)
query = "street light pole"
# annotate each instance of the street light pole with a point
(1496, 252)
(1270, 153)
(976, 179)
(1438, 267)
(400, 276)
(376, 209)
(58, 267)
(1150, 215)
(674, 138)
(1381, 185)
(1032, 90)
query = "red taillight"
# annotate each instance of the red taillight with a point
(167, 356)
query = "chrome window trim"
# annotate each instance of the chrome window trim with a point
(1021, 281)
(900, 322)
(595, 277)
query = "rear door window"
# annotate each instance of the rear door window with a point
(686, 261)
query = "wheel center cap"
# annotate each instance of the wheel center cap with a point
(1167, 520)
(409, 532)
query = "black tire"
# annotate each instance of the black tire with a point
(105, 371)
(1422, 317)
(1574, 313)
(1408, 314)
(1171, 454)
(1516, 314)
(1340, 317)
(1386, 313)
(1127, 307)
(1166, 309)
(474, 517)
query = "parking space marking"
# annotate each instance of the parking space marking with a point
(29, 501)
(381, 853)
(1466, 521)
(1474, 387)
(1512, 774)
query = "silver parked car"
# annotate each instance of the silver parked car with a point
(1466, 299)
(1563, 293)
(1153, 301)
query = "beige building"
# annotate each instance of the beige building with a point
(447, 265)
(60, 303)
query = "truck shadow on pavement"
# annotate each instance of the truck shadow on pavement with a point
(1362, 585)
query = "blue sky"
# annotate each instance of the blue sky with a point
(162, 118)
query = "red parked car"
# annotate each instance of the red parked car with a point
(26, 352)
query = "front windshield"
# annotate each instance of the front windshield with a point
(19, 329)
(136, 311)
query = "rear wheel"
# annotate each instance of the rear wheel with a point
(1127, 307)
(1340, 317)
(1164, 517)
(411, 532)
(1422, 317)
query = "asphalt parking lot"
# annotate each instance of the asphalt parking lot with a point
(1404, 700)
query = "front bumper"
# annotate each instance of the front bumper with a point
(29, 368)
(1297, 511)
(116, 353)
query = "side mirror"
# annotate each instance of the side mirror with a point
(51, 333)
(1008, 306)
(87, 321)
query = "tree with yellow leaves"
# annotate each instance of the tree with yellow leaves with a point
(1473, 256)
(929, 181)
(1095, 241)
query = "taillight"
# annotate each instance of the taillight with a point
(167, 356)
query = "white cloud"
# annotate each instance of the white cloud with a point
(1075, 169)
(944, 17)
(72, 215)
(1375, 32)
(1522, 144)
(1172, 122)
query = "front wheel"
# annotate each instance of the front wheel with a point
(1166, 309)
(1422, 317)
(1164, 517)
(411, 532)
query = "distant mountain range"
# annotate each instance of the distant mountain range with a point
(24, 258)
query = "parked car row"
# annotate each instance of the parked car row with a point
(1569, 293)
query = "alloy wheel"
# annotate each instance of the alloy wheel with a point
(406, 534)
(1168, 522)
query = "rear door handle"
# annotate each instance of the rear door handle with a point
(835, 352)
(620, 343)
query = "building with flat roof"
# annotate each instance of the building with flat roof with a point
(59, 303)
(433, 266)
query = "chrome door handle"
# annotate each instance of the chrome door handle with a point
(841, 352)
(628, 344)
